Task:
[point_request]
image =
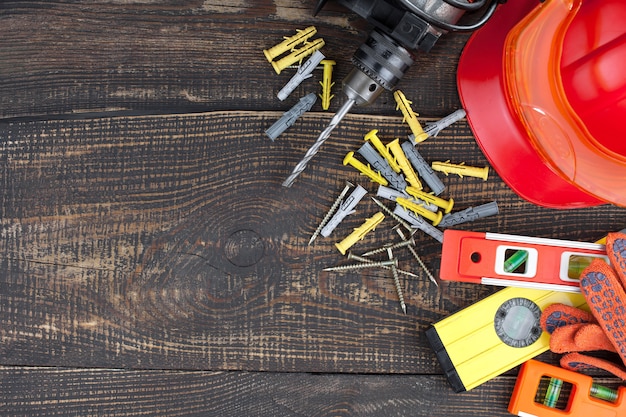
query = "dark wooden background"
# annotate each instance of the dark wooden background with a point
(151, 263)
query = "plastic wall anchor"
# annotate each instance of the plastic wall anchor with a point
(364, 169)
(360, 232)
(289, 43)
(327, 83)
(461, 170)
(297, 55)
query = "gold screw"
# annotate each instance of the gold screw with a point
(396, 280)
(391, 262)
(368, 260)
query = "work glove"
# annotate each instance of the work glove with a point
(604, 329)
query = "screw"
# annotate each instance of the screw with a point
(368, 260)
(394, 215)
(331, 211)
(396, 280)
(402, 244)
(418, 259)
(391, 262)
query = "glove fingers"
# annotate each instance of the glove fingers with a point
(562, 339)
(559, 315)
(581, 337)
(591, 337)
(607, 301)
(579, 362)
(616, 251)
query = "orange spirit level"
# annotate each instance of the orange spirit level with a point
(544, 390)
(516, 261)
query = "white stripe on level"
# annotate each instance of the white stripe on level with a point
(543, 241)
(529, 285)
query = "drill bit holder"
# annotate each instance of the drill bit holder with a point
(401, 26)
(379, 63)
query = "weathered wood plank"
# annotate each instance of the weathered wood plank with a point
(185, 56)
(168, 242)
(153, 244)
(62, 392)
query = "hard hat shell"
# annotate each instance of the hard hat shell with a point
(543, 86)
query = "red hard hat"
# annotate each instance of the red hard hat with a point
(544, 88)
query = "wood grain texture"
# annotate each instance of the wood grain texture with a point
(101, 392)
(168, 242)
(60, 392)
(187, 56)
(152, 264)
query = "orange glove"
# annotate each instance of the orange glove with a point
(573, 330)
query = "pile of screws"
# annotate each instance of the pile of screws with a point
(395, 169)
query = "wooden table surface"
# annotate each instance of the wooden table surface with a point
(151, 263)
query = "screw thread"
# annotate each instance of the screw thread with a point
(331, 211)
(392, 214)
(396, 280)
(368, 260)
(402, 244)
(362, 265)
(419, 261)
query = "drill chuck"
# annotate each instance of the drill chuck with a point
(379, 63)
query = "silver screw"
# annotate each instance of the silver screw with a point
(396, 280)
(391, 262)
